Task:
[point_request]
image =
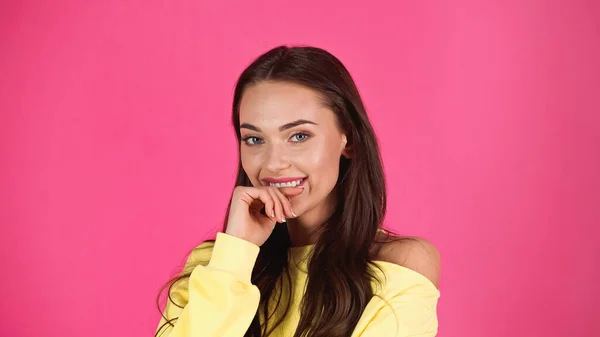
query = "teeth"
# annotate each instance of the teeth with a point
(288, 184)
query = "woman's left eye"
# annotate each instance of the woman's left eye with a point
(300, 137)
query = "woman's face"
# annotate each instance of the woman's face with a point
(287, 133)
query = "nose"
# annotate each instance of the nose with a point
(277, 159)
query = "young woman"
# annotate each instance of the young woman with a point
(302, 251)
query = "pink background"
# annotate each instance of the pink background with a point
(117, 155)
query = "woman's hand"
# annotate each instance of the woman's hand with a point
(246, 220)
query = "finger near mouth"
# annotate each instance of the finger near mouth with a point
(290, 191)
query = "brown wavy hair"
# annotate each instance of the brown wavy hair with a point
(341, 270)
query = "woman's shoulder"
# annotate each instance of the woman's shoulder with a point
(411, 252)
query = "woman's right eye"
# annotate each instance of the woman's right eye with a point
(251, 140)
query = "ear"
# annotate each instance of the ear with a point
(346, 149)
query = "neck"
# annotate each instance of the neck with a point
(303, 230)
(301, 233)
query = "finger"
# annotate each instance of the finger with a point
(286, 204)
(279, 211)
(264, 197)
(267, 199)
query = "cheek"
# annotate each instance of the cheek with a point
(251, 166)
(322, 163)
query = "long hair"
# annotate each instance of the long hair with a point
(341, 270)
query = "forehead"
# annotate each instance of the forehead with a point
(276, 103)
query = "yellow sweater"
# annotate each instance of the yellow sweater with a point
(220, 301)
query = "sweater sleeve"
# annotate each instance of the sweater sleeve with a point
(408, 311)
(219, 300)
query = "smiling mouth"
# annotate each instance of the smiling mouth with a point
(293, 183)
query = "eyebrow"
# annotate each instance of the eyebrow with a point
(281, 128)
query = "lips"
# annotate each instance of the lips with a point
(285, 181)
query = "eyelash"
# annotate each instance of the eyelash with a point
(245, 139)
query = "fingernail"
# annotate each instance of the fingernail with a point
(272, 214)
(282, 219)
(294, 214)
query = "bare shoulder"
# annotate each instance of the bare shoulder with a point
(414, 253)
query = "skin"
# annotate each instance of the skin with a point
(309, 150)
